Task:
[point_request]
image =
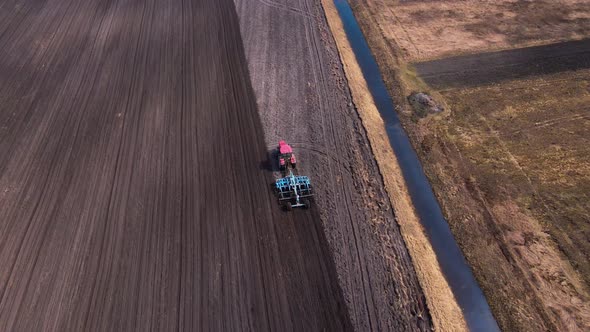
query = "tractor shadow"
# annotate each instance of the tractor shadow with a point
(271, 164)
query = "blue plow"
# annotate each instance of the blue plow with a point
(294, 191)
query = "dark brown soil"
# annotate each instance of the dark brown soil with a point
(493, 67)
(131, 192)
(303, 98)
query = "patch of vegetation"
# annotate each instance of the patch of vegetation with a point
(423, 104)
(528, 140)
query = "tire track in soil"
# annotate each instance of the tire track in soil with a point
(131, 192)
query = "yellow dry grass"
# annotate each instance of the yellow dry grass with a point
(432, 29)
(444, 310)
(530, 152)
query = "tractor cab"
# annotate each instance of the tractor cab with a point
(286, 156)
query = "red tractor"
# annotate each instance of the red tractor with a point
(286, 156)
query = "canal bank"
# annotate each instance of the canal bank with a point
(455, 300)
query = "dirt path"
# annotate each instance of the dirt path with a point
(131, 191)
(303, 97)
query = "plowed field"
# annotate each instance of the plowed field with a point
(131, 192)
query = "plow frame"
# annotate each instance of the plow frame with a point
(294, 190)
